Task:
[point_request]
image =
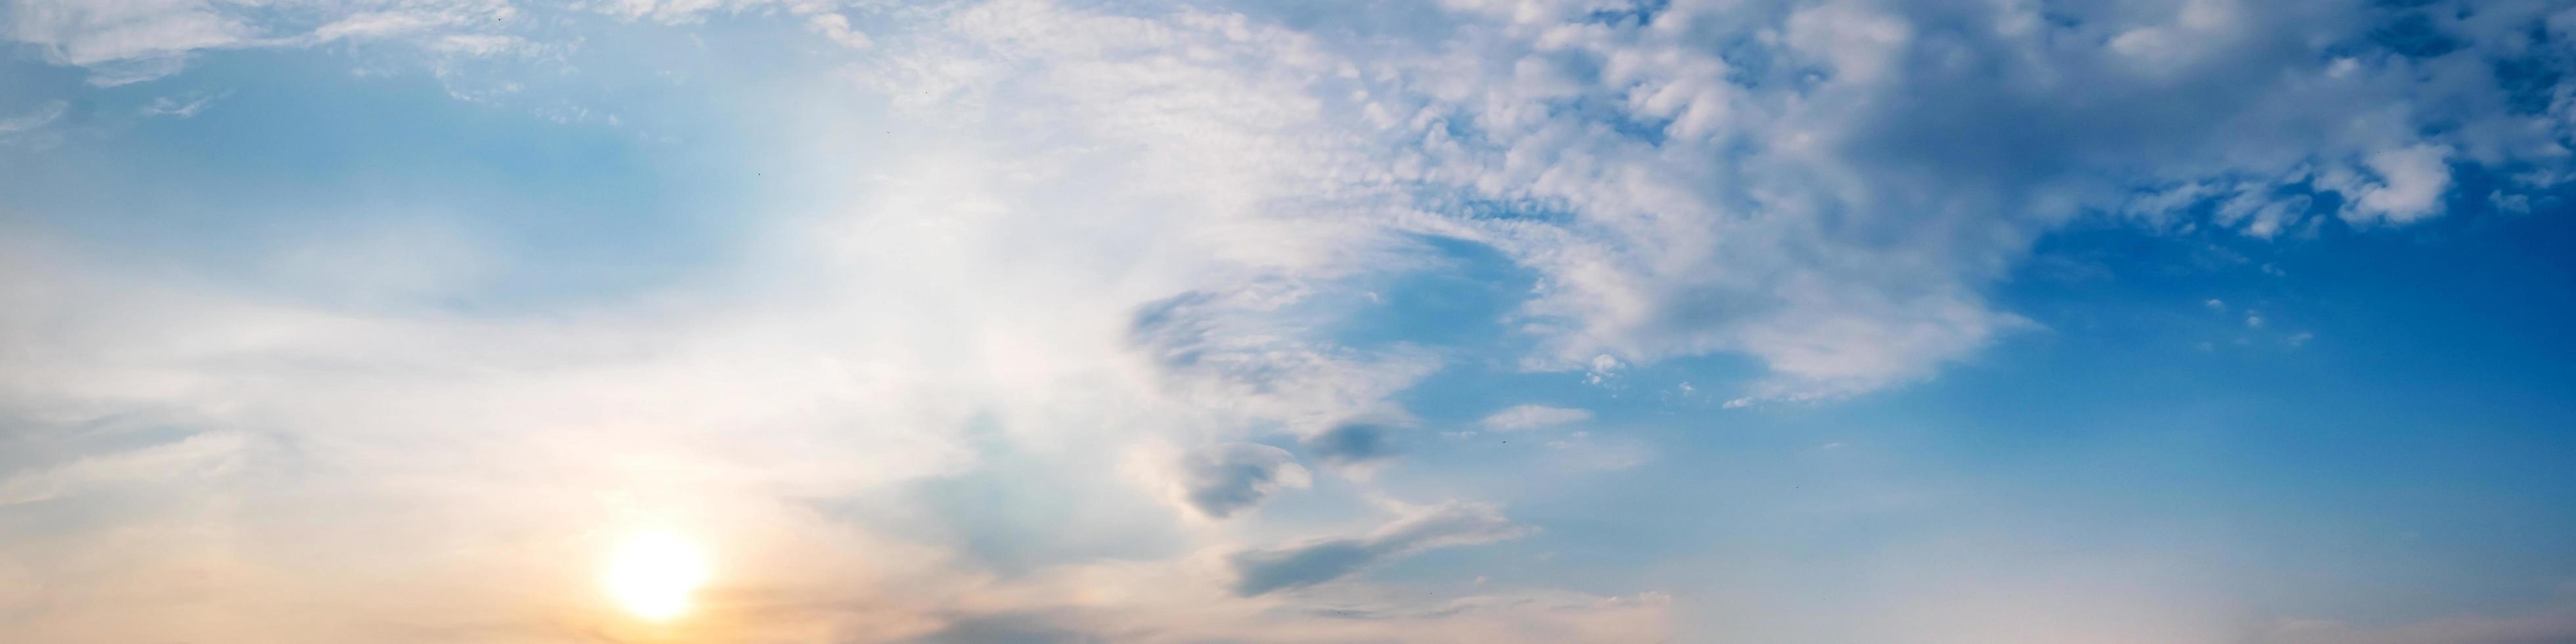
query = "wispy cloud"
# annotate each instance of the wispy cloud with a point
(1534, 416)
(1324, 560)
(180, 107)
(14, 126)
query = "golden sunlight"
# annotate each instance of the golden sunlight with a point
(653, 574)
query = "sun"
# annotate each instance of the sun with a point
(653, 574)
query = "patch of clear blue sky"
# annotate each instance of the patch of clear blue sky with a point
(328, 138)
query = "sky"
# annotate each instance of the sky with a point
(1021, 321)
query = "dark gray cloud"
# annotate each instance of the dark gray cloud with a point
(1323, 560)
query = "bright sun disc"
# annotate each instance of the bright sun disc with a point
(653, 574)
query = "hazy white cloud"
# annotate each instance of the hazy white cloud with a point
(76, 32)
(128, 41)
(18, 126)
(180, 107)
(1534, 416)
(837, 27)
(189, 458)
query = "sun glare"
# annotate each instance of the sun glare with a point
(653, 574)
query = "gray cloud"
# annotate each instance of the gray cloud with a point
(1009, 629)
(1315, 562)
(1226, 478)
(1351, 443)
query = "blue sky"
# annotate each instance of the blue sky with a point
(1806, 321)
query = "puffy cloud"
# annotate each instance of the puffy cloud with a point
(2410, 186)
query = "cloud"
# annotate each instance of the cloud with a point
(1828, 187)
(31, 125)
(1101, 227)
(2410, 185)
(1836, 205)
(1008, 629)
(129, 41)
(1223, 479)
(89, 33)
(194, 457)
(1534, 416)
(922, 320)
(380, 24)
(1351, 443)
(178, 107)
(837, 27)
(1323, 560)
(1222, 349)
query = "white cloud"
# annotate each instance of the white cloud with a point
(2410, 186)
(380, 24)
(179, 107)
(79, 32)
(19, 125)
(837, 28)
(1522, 417)
(129, 41)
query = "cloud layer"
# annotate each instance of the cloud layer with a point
(1055, 311)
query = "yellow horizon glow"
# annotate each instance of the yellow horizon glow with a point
(653, 574)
